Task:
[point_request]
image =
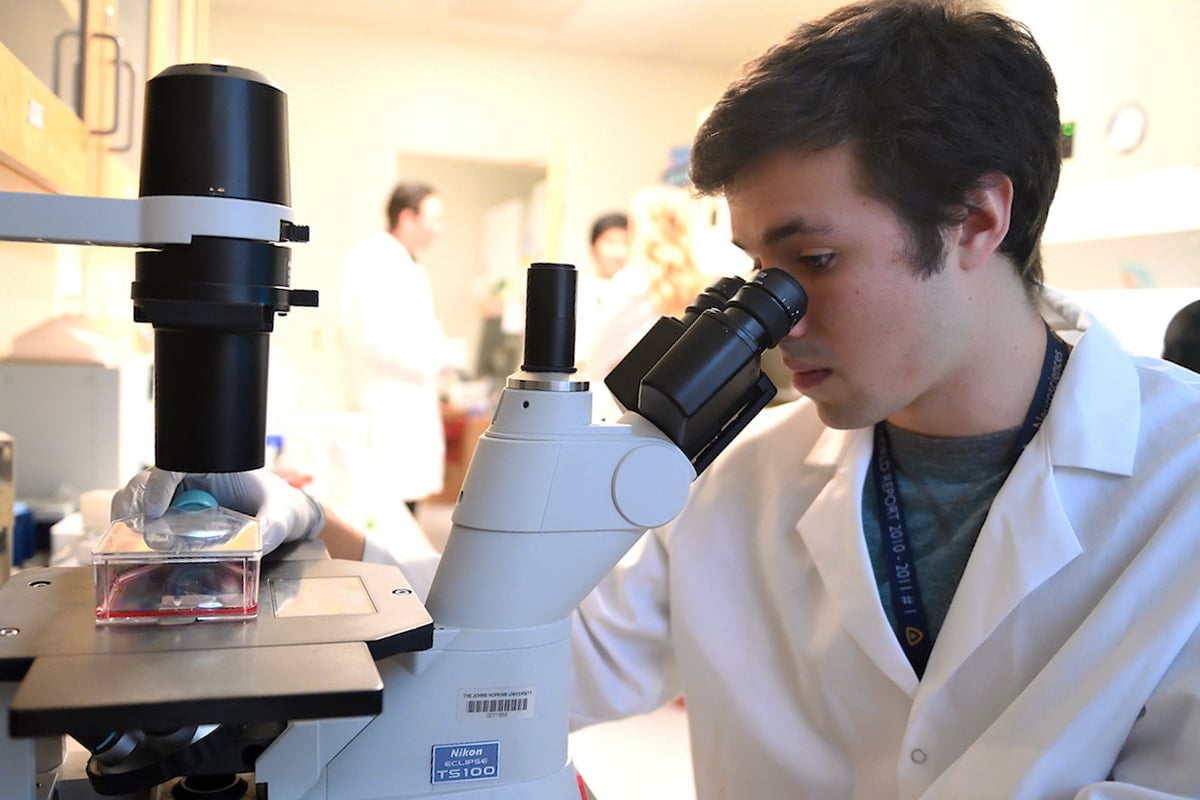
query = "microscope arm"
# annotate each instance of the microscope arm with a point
(548, 506)
(143, 221)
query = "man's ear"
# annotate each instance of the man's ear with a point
(989, 209)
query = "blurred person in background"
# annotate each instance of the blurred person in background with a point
(610, 244)
(609, 250)
(396, 349)
(660, 279)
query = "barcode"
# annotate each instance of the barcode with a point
(495, 706)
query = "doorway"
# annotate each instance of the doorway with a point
(497, 217)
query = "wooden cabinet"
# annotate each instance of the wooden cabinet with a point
(45, 143)
(42, 142)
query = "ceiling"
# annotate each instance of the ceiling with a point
(714, 33)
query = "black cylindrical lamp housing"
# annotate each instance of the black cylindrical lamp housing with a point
(214, 130)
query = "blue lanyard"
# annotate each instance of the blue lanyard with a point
(912, 627)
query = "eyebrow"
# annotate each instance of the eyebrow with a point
(792, 227)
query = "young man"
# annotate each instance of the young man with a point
(964, 564)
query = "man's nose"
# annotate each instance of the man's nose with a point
(799, 329)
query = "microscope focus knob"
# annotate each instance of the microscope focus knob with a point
(650, 484)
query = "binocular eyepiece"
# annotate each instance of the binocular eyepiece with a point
(766, 308)
(697, 378)
(772, 304)
(709, 383)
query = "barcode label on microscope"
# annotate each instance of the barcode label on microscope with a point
(493, 706)
(496, 703)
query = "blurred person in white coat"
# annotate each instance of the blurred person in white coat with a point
(661, 278)
(964, 564)
(396, 350)
(609, 251)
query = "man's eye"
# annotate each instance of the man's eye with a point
(816, 261)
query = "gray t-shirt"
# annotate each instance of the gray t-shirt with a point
(946, 486)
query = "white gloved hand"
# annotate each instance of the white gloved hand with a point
(284, 513)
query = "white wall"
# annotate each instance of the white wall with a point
(1105, 54)
(1124, 231)
(28, 287)
(357, 96)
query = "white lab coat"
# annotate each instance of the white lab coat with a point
(625, 312)
(621, 318)
(395, 350)
(1069, 663)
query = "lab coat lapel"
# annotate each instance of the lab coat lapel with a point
(832, 531)
(1028, 537)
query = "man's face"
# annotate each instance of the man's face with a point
(426, 225)
(611, 251)
(876, 339)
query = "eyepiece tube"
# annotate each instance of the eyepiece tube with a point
(550, 318)
(709, 384)
(715, 296)
(769, 307)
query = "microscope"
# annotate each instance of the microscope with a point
(366, 693)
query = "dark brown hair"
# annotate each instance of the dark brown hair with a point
(406, 195)
(932, 99)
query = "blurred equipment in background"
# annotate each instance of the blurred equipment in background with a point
(7, 506)
(80, 426)
(1181, 342)
(499, 351)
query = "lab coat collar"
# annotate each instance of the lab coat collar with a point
(1027, 537)
(1094, 419)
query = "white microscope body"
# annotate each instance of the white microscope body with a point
(549, 505)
